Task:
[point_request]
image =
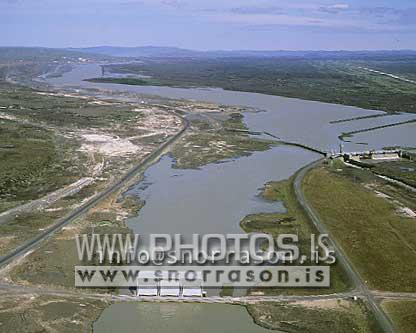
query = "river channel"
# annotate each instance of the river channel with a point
(216, 197)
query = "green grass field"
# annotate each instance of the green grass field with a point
(380, 242)
(59, 110)
(402, 313)
(333, 81)
(209, 145)
(44, 313)
(33, 162)
(314, 317)
(402, 170)
(127, 80)
(295, 222)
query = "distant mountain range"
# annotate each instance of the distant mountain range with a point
(174, 52)
(44, 54)
(140, 51)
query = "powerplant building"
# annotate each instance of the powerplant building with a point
(166, 286)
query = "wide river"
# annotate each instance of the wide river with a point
(216, 197)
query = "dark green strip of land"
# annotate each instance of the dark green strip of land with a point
(332, 81)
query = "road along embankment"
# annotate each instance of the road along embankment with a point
(123, 181)
(46, 201)
(342, 258)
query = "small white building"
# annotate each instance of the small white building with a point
(192, 292)
(169, 288)
(192, 289)
(147, 287)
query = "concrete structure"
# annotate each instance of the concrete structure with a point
(169, 288)
(147, 287)
(385, 156)
(373, 155)
(192, 289)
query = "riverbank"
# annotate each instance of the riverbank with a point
(210, 141)
(341, 316)
(294, 221)
(55, 269)
(334, 81)
(216, 194)
(38, 313)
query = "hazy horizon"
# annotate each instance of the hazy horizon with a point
(207, 50)
(311, 25)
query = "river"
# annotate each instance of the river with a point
(176, 318)
(289, 118)
(216, 197)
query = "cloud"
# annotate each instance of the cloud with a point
(10, 2)
(389, 15)
(283, 20)
(334, 9)
(340, 6)
(177, 4)
(257, 10)
(174, 3)
(379, 11)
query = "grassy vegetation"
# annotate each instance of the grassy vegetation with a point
(207, 144)
(197, 150)
(36, 159)
(314, 316)
(402, 170)
(331, 81)
(33, 162)
(24, 63)
(39, 146)
(25, 227)
(53, 263)
(227, 291)
(132, 204)
(34, 313)
(294, 221)
(40, 140)
(235, 121)
(40, 54)
(127, 80)
(380, 242)
(61, 111)
(400, 67)
(403, 314)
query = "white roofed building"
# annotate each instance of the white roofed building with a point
(169, 288)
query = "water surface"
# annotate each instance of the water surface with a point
(289, 118)
(216, 197)
(176, 318)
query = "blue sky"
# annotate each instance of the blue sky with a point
(211, 24)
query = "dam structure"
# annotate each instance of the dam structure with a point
(166, 286)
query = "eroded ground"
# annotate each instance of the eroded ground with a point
(105, 138)
(53, 140)
(58, 150)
